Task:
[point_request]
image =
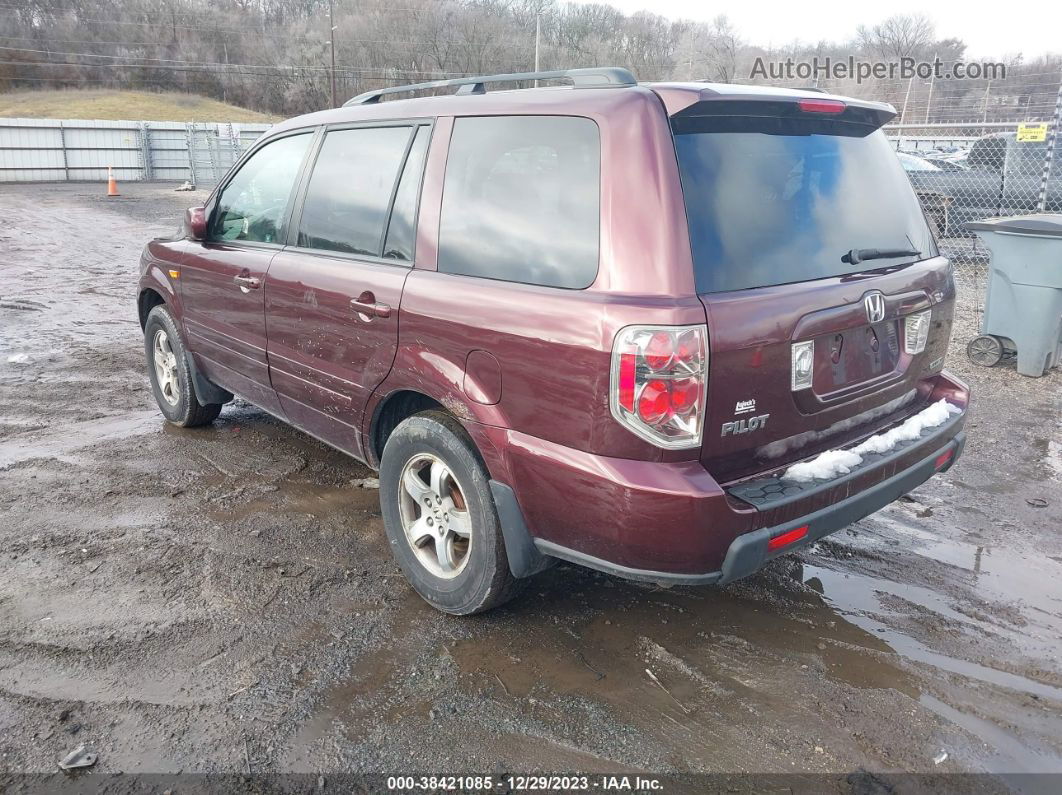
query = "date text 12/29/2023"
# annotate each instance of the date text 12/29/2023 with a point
(529, 783)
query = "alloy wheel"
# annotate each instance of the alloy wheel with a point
(166, 368)
(435, 516)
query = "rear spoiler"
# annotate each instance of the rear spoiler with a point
(815, 114)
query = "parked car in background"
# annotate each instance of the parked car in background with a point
(946, 164)
(912, 162)
(1002, 177)
(935, 203)
(667, 331)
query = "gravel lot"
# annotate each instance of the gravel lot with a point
(222, 599)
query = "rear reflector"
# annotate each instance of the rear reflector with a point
(787, 538)
(944, 458)
(821, 105)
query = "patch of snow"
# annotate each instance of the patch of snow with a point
(832, 463)
(18, 358)
(824, 466)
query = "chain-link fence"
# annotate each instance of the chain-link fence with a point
(967, 172)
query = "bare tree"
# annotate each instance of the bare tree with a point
(272, 55)
(899, 36)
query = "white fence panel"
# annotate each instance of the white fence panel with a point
(46, 150)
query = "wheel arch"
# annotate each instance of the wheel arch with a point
(159, 274)
(389, 408)
(148, 299)
(389, 412)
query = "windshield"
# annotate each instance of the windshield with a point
(779, 201)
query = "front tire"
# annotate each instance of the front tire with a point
(440, 517)
(171, 379)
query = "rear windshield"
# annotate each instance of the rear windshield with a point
(774, 201)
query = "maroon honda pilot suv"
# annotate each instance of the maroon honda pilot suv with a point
(668, 331)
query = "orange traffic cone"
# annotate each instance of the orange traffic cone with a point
(112, 183)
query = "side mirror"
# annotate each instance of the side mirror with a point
(195, 222)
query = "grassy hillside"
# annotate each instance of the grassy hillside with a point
(121, 105)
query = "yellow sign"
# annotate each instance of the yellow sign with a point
(1032, 133)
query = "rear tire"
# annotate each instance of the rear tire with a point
(171, 379)
(440, 517)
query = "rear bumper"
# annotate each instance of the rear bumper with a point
(749, 552)
(671, 523)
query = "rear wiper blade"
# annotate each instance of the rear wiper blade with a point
(857, 255)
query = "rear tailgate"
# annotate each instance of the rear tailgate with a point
(809, 247)
(863, 379)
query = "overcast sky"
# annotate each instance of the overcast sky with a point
(988, 28)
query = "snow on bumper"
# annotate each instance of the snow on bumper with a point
(832, 463)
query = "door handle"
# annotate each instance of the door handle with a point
(366, 304)
(247, 282)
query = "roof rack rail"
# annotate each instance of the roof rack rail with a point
(604, 77)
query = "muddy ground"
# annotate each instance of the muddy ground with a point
(223, 599)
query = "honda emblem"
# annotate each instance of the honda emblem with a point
(874, 303)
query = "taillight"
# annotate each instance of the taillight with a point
(916, 331)
(821, 105)
(659, 375)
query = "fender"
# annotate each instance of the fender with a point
(159, 257)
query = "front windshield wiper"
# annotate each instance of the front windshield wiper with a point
(857, 255)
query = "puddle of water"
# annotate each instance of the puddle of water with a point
(718, 658)
(1027, 582)
(856, 597)
(1012, 755)
(307, 498)
(77, 436)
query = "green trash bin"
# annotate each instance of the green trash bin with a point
(1023, 308)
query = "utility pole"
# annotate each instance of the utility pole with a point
(932, 77)
(984, 113)
(332, 44)
(538, 37)
(907, 96)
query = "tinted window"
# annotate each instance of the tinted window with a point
(350, 189)
(403, 217)
(775, 203)
(253, 205)
(521, 200)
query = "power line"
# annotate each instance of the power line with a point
(166, 63)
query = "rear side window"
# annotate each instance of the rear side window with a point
(253, 205)
(775, 201)
(521, 201)
(399, 245)
(350, 190)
